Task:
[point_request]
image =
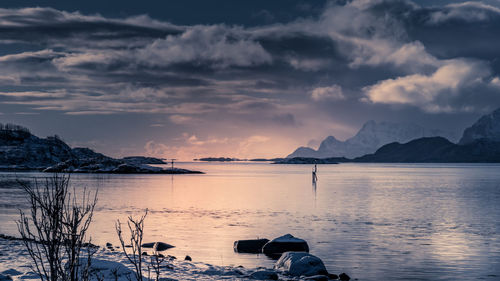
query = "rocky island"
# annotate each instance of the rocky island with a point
(22, 151)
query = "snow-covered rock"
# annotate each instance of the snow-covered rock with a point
(300, 264)
(283, 244)
(111, 269)
(487, 127)
(11, 272)
(264, 275)
(369, 138)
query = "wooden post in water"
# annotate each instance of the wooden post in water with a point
(314, 175)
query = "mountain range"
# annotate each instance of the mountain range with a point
(21, 150)
(368, 139)
(436, 150)
(487, 127)
(480, 143)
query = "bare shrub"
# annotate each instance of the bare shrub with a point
(136, 228)
(54, 230)
(156, 261)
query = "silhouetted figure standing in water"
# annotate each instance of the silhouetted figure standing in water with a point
(314, 176)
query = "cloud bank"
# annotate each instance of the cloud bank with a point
(222, 81)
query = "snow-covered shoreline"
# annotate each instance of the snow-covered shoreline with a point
(109, 263)
(15, 262)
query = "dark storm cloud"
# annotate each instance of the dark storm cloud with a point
(459, 45)
(376, 58)
(48, 25)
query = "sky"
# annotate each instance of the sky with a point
(196, 78)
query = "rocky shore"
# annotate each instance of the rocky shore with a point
(110, 264)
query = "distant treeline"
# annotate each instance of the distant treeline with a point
(17, 131)
(13, 128)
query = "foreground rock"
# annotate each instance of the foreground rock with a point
(157, 246)
(110, 269)
(264, 275)
(148, 245)
(285, 243)
(160, 246)
(300, 264)
(344, 277)
(253, 246)
(5, 277)
(114, 266)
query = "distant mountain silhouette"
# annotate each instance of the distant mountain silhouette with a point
(422, 150)
(487, 127)
(479, 143)
(436, 150)
(369, 138)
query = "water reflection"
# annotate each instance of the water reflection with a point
(376, 222)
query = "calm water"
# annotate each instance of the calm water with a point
(373, 221)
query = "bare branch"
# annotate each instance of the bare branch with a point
(54, 230)
(136, 229)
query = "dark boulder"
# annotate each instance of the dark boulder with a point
(188, 258)
(285, 243)
(11, 272)
(344, 277)
(250, 246)
(160, 246)
(333, 276)
(148, 245)
(157, 246)
(5, 277)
